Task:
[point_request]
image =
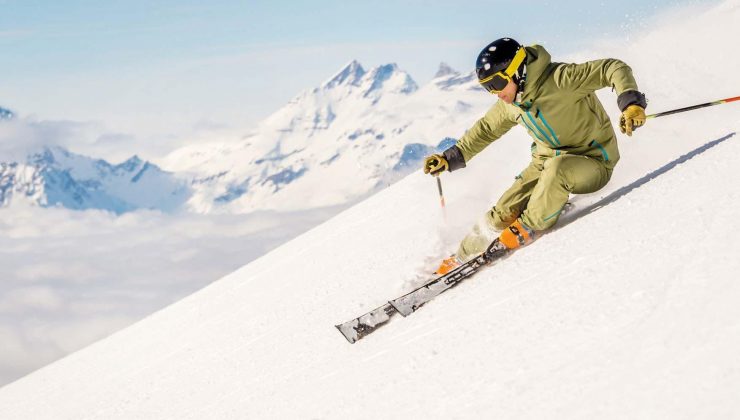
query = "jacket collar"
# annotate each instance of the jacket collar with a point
(538, 59)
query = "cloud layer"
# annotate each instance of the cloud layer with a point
(70, 278)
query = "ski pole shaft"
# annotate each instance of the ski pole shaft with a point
(691, 108)
(441, 195)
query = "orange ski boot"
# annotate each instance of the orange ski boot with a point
(517, 235)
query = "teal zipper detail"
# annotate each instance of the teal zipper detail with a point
(540, 130)
(542, 116)
(533, 132)
(603, 151)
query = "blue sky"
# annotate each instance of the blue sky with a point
(160, 69)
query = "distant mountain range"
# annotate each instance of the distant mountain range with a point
(359, 131)
(57, 177)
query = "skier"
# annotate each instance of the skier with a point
(574, 148)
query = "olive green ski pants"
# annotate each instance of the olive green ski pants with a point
(537, 197)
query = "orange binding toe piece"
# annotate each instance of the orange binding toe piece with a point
(448, 264)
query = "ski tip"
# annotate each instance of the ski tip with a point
(349, 333)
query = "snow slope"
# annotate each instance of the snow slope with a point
(627, 311)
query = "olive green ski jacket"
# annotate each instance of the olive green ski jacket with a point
(558, 108)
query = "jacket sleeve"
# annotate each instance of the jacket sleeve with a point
(590, 76)
(497, 121)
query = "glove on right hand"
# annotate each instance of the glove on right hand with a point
(632, 118)
(435, 164)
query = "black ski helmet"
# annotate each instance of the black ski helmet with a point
(495, 59)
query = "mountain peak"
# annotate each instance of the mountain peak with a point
(384, 70)
(135, 159)
(445, 70)
(48, 154)
(391, 77)
(130, 164)
(350, 74)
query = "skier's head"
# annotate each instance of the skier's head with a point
(501, 63)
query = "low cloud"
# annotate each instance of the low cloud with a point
(70, 278)
(22, 136)
(26, 134)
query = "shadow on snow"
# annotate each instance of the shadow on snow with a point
(614, 196)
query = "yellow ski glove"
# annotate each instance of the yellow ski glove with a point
(632, 117)
(435, 164)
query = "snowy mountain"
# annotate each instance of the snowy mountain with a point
(357, 132)
(57, 177)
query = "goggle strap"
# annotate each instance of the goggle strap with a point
(516, 61)
(511, 69)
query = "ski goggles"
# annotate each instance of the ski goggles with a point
(496, 82)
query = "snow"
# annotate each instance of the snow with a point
(628, 311)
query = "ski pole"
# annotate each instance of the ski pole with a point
(690, 108)
(441, 195)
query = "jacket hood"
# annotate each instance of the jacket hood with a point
(538, 59)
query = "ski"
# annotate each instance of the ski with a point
(410, 302)
(364, 325)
